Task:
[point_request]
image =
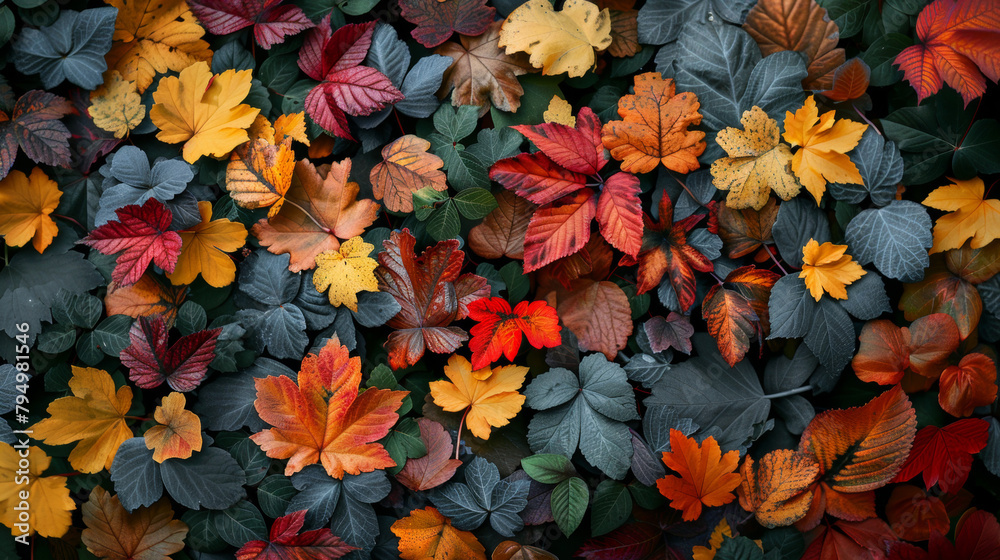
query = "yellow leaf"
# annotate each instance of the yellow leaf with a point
(293, 126)
(559, 111)
(346, 272)
(26, 205)
(94, 416)
(204, 250)
(490, 394)
(824, 144)
(971, 216)
(721, 531)
(203, 110)
(558, 42)
(827, 269)
(48, 502)
(116, 106)
(260, 173)
(758, 162)
(178, 432)
(261, 129)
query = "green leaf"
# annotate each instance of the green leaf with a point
(136, 475)
(979, 149)
(202, 533)
(739, 548)
(248, 455)
(421, 85)
(72, 48)
(403, 442)
(516, 281)
(660, 21)
(783, 543)
(866, 298)
(274, 494)
(799, 220)
(569, 503)
(226, 402)
(444, 222)
(191, 318)
(896, 238)
(831, 335)
(266, 290)
(475, 203)
(483, 495)
(455, 124)
(494, 144)
(881, 58)
(240, 524)
(548, 468)
(78, 310)
(538, 92)
(612, 507)
(849, 15)
(111, 334)
(464, 170)
(57, 338)
(6, 25)
(647, 368)
(357, 7)
(790, 308)
(279, 72)
(425, 201)
(232, 56)
(318, 494)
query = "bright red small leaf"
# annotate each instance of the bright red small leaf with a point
(436, 21)
(288, 544)
(151, 361)
(272, 23)
(970, 384)
(499, 329)
(141, 236)
(944, 455)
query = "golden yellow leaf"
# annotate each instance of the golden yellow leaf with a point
(407, 168)
(758, 163)
(558, 42)
(260, 173)
(971, 216)
(177, 433)
(345, 272)
(117, 106)
(261, 129)
(203, 110)
(49, 504)
(204, 250)
(827, 269)
(293, 126)
(559, 111)
(26, 206)
(94, 417)
(490, 394)
(824, 144)
(721, 531)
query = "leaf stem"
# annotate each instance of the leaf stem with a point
(71, 220)
(399, 123)
(789, 392)
(864, 118)
(773, 258)
(306, 212)
(458, 438)
(686, 189)
(140, 418)
(717, 279)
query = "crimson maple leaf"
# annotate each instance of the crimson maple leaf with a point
(499, 329)
(140, 235)
(559, 178)
(271, 22)
(287, 544)
(151, 361)
(944, 455)
(334, 58)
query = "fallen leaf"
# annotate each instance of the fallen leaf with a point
(346, 272)
(970, 216)
(887, 352)
(183, 365)
(824, 144)
(558, 42)
(970, 384)
(259, 174)
(914, 515)
(501, 233)
(624, 27)
(148, 533)
(499, 329)
(204, 250)
(482, 72)
(26, 206)
(674, 331)
(437, 466)
(707, 476)
(272, 23)
(827, 269)
(291, 126)
(140, 236)
(843, 540)
(490, 395)
(510, 550)
(598, 313)
(436, 21)
(850, 81)
(117, 106)
(735, 315)
(287, 543)
(744, 231)
(177, 433)
(776, 492)
(35, 126)
(559, 111)
(944, 455)
(50, 506)
(406, 167)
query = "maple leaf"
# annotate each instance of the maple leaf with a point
(435, 21)
(117, 106)
(49, 503)
(502, 231)
(824, 143)
(827, 269)
(26, 207)
(425, 534)
(259, 174)
(322, 417)
(272, 23)
(431, 293)
(971, 216)
(707, 476)
(958, 42)
(757, 164)
(655, 128)
(291, 126)
(558, 42)
(94, 417)
(887, 352)
(944, 455)
(204, 250)
(321, 209)
(777, 490)
(914, 515)
(744, 231)
(674, 331)
(406, 168)
(970, 384)
(733, 316)
(154, 38)
(287, 543)
(34, 125)
(482, 72)
(850, 81)
(490, 395)
(499, 329)
(203, 110)
(177, 433)
(148, 296)
(436, 467)
(346, 272)
(183, 365)
(148, 533)
(141, 236)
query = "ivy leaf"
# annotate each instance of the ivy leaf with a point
(72, 48)
(35, 126)
(287, 541)
(483, 495)
(896, 238)
(272, 23)
(436, 21)
(114, 533)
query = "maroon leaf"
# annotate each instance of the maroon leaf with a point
(436, 20)
(151, 362)
(435, 468)
(271, 23)
(673, 332)
(287, 544)
(35, 126)
(635, 541)
(141, 236)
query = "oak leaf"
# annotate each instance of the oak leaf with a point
(824, 143)
(499, 328)
(707, 476)
(436, 467)
(482, 72)
(425, 534)
(406, 167)
(26, 206)
(140, 236)
(558, 41)
(177, 433)
(887, 352)
(117, 106)
(490, 395)
(148, 533)
(287, 543)
(501, 233)
(827, 269)
(272, 23)
(183, 364)
(436, 21)
(944, 455)
(35, 126)
(346, 272)
(204, 250)
(259, 174)
(970, 216)
(970, 384)
(49, 503)
(776, 491)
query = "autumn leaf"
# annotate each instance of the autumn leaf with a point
(827, 269)
(35, 126)
(322, 417)
(846, 540)
(776, 491)
(117, 106)
(970, 384)
(204, 250)
(321, 209)
(490, 395)
(673, 331)
(757, 164)
(914, 515)
(148, 296)
(203, 110)
(49, 503)
(148, 533)
(559, 111)
(707, 476)
(744, 231)
(288, 543)
(624, 27)
(501, 233)
(140, 236)
(944, 455)
(178, 431)
(406, 168)
(346, 272)
(597, 313)
(499, 328)
(511, 550)
(850, 81)
(824, 143)
(94, 417)
(183, 365)
(437, 466)
(735, 315)
(26, 206)
(637, 540)
(291, 126)
(482, 72)
(558, 42)
(436, 21)
(970, 215)
(425, 534)
(259, 174)
(887, 352)
(272, 23)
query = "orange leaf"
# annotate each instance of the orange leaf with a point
(827, 269)
(322, 418)
(204, 250)
(510, 550)
(825, 143)
(849, 506)
(178, 431)
(490, 395)
(49, 505)
(655, 128)
(425, 534)
(499, 328)
(259, 174)
(26, 205)
(970, 384)
(733, 316)
(665, 251)
(707, 476)
(776, 492)
(559, 229)
(971, 216)
(864, 540)
(148, 533)
(598, 314)
(406, 168)
(887, 351)
(850, 81)
(743, 231)
(435, 468)
(501, 233)
(146, 297)
(914, 516)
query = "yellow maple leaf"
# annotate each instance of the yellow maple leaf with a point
(203, 110)
(558, 42)
(758, 163)
(177, 433)
(827, 269)
(824, 144)
(204, 250)
(971, 216)
(559, 111)
(346, 272)
(117, 106)
(490, 394)
(721, 531)
(48, 503)
(94, 417)
(26, 206)
(260, 173)
(293, 126)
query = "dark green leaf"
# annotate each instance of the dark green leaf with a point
(475, 203)
(831, 335)
(569, 503)
(136, 475)
(881, 58)
(210, 478)
(72, 48)
(612, 507)
(548, 468)
(274, 494)
(240, 524)
(881, 168)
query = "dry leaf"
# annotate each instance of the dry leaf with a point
(490, 394)
(559, 111)
(776, 490)
(177, 433)
(501, 233)
(824, 144)
(148, 533)
(558, 42)
(26, 207)
(49, 503)
(435, 468)
(707, 476)
(117, 106)
(971, 216)
(827, 269)
(425, 534)
(205, 247)
(406, 168)
(260, 173)
(482, 72)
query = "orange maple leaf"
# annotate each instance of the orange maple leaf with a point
(827, 269)
(177, 433)
(707, 476)
(323, 418)
(824, 145)
(425, 534)
(204, 250)
(971, 217)
(26, 205)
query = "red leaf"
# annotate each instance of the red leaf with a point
(536, 177)
(850, 80)
(578, 149)
(598, 314)
(665, 251)
(635, 541)
(863, 540)
(140, 235)
(271, 23)
(437, 20)
(151, 362)
(35, 125)
(915, 515)
(559, 229)
(673, 332)
(499, 329)
(944, 455)
(731, 321)
(977, 537)
(619, 213)
(887, 351)
(435, 468)
(972, 383)
(287, 544)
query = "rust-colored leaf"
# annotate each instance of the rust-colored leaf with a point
(425, 534)
(914, 515)
(501, 233)
(148, 533)
(707, 476)
(177, 433)
(777, 490)
(435, 468)
(743, 231)
(146, 297)
(482, 72)
(970, 384)
(887, 351)
(734, 316)
(599, 315)
(406, 168)
(850, 81)
(510, 550)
